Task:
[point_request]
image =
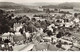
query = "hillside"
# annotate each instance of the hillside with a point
(10, 5)
(66, 5)
(74, 4)
(40, 4)
(32, 7)
(19, 7)
(70, 4)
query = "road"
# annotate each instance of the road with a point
(27, 48)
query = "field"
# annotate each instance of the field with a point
(29, 14)
(70, 10)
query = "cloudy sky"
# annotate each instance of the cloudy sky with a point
(33, 1)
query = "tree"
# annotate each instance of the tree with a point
(4, 22)
(59, 45)
(37, 24)
(46, 10)
(49, 33)
(75, 14)
(29, 27)
(55, 9)
(33, 19)
(24, 19)
(59, 35)
(43, 24)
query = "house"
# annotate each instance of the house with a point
(8, 36)
(17, 26)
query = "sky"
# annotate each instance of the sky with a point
(33, 1)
